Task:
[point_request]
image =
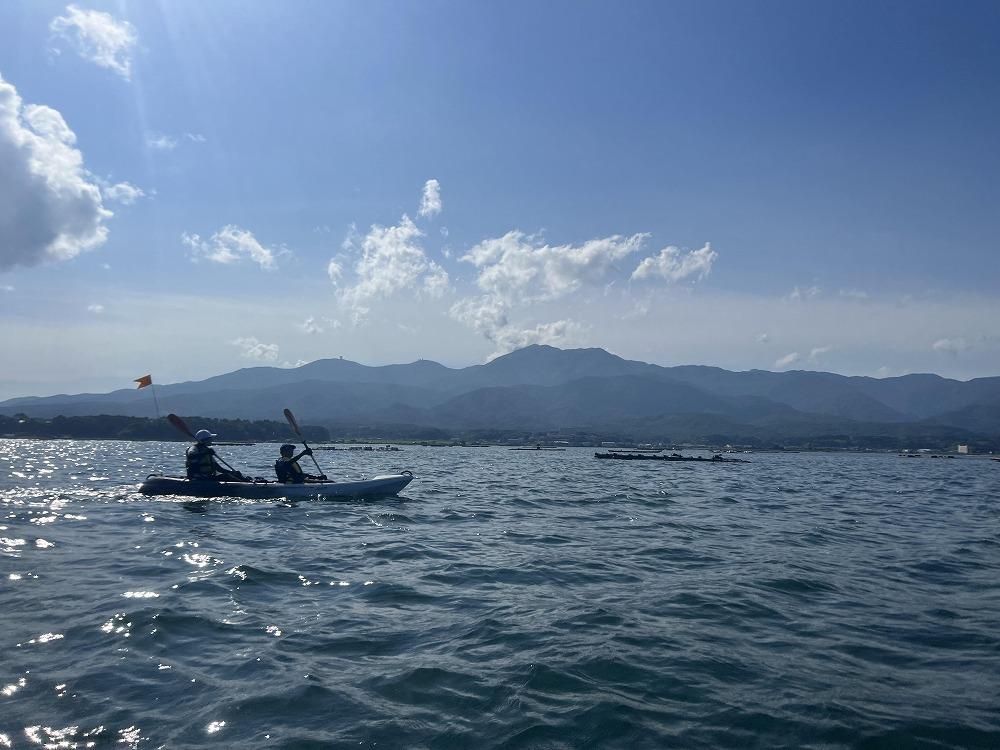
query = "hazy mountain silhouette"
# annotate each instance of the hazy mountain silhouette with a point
(542, 388)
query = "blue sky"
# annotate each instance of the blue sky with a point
(806, 185)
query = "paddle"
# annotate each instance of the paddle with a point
(295, 426)
(179, 424)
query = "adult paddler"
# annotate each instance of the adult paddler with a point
(201, 463)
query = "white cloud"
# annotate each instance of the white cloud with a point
(50, 209)
(254, 349)
(6, 288)
(673, 264)
(515, 268)
(816, 352)
(391, 261)
(98, 37)
(951, 345)
(335, 271)
(96, 309)
(436, 281)
(161, 142)
(558, 333)
(296, 363)
(430, 201)
(883, 372)
(232, 244)
(124, 193)
(797, 295)
(195, 137)
(485, 315)
(311, 325)
(762, 338)
(787, 360)
(813, 358)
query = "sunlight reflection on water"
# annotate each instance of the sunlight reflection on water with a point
(509, 599)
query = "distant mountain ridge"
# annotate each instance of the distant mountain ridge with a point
(542, 388)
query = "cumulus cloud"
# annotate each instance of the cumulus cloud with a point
(673, 264)
(195, 137)
(232, 244)
(516, 268)
(762, 338)
(951, 346)
(124, 193)
(98, 37)
(487, 315)
(96, 309)
(430, 201)
(50, 207)
(391, 261)
(252, 348)
(558, 333)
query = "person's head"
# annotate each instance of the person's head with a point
(287, 450)
(204, 436)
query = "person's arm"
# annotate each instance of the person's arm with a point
(306, 452)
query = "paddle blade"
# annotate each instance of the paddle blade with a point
(179, 424)
(291, 420)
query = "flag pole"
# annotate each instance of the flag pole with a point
(156, 401)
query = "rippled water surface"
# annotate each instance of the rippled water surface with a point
(509, 600)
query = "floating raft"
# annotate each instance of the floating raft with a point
(675, 457)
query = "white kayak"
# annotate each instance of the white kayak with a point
(384, 484)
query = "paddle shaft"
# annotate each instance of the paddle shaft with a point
(295, 426)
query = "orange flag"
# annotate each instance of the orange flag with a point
(144, 381)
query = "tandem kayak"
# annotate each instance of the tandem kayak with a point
(384, 484)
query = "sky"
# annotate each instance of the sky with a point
(187, 188)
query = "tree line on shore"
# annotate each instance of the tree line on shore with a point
(113, 427)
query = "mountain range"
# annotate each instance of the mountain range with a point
(542, 390)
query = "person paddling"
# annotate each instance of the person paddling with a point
(288, 470)
(201, 463)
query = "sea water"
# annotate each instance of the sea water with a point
(509, 599)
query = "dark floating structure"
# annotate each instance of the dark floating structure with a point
(378, 448)
(716, 459)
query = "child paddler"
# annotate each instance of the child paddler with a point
(288, 470)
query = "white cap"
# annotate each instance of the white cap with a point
(203, 436)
